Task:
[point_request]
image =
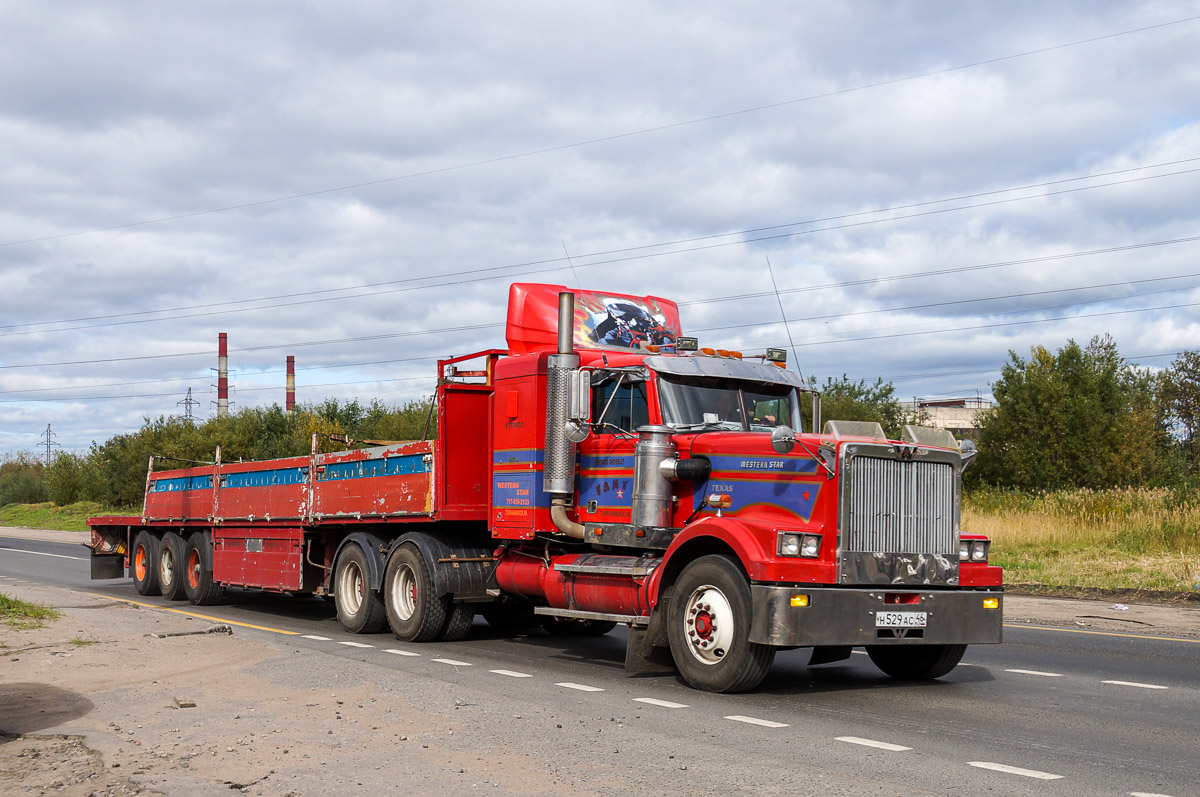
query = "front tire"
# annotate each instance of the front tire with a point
(916, 662)
(170, 567)
(359, 609)
(414, 612)
(709, 628)
(145, 563)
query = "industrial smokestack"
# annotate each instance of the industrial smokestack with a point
(291, 385)
(222, 374)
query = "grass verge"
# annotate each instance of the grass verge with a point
(1112, 540)
(72, 517)
(24, 615)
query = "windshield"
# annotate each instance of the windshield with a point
(697, 403)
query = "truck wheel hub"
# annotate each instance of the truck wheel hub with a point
(708, 624)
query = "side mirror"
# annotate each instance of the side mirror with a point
(783, 439)
(968, 452)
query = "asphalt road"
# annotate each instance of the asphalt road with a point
(1049, 712)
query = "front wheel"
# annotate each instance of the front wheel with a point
(709, 628)
(359, 609)
(916, 662)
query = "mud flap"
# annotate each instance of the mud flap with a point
(827, 654)
(641, 657)
(107, 565)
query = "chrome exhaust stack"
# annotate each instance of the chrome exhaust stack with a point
(558, 474)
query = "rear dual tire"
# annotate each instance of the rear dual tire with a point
(143, 563)
(916, 662)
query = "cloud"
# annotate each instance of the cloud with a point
(371, 119)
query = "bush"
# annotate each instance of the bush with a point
(21, 480)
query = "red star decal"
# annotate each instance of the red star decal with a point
(806, 494)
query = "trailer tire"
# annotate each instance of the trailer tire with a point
(559, 626)
(198, 582)
(458, 622)
(414, 612)
(359, 608)
(708, 624)
(916, 662)
(144, 563)
(170, 567)
(509, 616)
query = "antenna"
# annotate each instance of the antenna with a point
(571, 263)
(783, 315)
(48, 441)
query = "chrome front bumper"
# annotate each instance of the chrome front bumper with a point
(847, 616)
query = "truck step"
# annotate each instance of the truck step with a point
(576, 614)
(603, 565)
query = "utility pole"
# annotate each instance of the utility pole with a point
(188, 402)
(48, 441)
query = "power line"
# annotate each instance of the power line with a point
(555, 264)
(612, 137)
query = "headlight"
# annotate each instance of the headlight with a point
(795, 543)
(973, 550)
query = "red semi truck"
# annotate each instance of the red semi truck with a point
(603, 469)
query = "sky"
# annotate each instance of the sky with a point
(917, 188)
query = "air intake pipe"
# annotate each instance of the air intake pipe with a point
(558, 473)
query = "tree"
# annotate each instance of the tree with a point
(847, 400)
(1082, 417)
(1181, 402)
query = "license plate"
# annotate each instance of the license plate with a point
(901, 619)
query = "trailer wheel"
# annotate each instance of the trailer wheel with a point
(709, 628)
(198, 582)
(170, 567)
(509, 616)
(414, 612)
(359, 609)
(145, 563)
(916, 662)
(458, 623)
(559, 626)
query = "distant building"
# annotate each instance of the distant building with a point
(955, 414)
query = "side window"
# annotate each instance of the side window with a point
(628, 410)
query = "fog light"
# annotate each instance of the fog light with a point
(799, 601)
(988, 603)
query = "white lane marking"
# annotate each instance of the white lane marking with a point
(580, 687)
(512, 673)
(895, 748)
(40, 553)
(1147, 794)
(1133, 683)
(453, 662)
(1028, 773)
(1036, 672)
(756, 721)
(356, 644)
(859, 652)
(401, 652)
(661, 703)
(314, 636)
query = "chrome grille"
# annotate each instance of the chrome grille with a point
(899, 507)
